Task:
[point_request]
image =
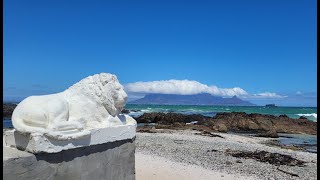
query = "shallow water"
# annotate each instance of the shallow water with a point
(293, 112)
(306, 140)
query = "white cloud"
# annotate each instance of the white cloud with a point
(183, 87)
(188, 87)
(267, 95)
(168, 87)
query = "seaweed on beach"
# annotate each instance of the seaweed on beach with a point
(206, 133)
(146, 130)
(264, 156)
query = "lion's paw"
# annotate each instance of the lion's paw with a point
(69, 134)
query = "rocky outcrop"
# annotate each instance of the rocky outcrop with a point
(269, 134)
(169, 118)
(8, 109)
(240, 121)
(266, 125)
(125, 111)
(222, 128)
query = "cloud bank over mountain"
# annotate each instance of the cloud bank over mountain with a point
(190, 87)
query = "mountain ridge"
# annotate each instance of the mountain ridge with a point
(196, 99)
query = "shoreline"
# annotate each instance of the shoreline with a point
(182, 146)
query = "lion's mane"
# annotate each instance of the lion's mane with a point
(100, 88)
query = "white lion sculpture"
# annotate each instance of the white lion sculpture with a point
(94, 102)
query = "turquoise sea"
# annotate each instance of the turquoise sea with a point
(293, 112)
(309, 141)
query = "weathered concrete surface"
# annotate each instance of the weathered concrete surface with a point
(113, 160)
(38, 143)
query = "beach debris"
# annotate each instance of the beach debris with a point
(146, 129)
(178, 141)
(207, 133)
(212, 150)
(264, 156)
(192, 122)
(292, 174)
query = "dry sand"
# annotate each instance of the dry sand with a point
(151, 167)
(184, 155)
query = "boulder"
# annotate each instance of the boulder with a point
(253, 126)
(302, 117)
(222, 128)
(125, 111)
(283, 116)
(269, 134)
(169, 118)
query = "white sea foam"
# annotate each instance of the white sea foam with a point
(311, 114)
(145, 110)
(194, 110)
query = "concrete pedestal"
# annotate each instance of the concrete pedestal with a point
(108, 161)
(38, 143)
(107, 153)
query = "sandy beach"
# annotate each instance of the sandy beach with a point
(159, 168)
(184, 155)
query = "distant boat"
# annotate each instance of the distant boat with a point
(271, 105)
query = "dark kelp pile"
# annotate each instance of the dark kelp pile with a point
(264, 156)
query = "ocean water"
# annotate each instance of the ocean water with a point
(306, 140)
(309, 141)
(293, 112)
(7, 123)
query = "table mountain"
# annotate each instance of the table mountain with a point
(197, 99)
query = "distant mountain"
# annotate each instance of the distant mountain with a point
(197, 99)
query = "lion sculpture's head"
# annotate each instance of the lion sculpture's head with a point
(105, 89)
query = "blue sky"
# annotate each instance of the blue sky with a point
(266, 46)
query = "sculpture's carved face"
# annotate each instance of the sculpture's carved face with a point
(112, 87)
(119, 96)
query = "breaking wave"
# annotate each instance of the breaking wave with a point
(311, 114)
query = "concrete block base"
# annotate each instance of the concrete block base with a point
(39, 143)
(108, 161)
